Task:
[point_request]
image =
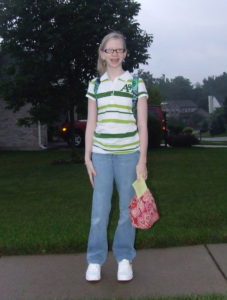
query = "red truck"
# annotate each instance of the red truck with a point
(76, 136)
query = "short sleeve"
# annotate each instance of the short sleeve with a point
(142, 91)
(90, 91)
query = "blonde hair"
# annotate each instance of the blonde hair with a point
(101, 64)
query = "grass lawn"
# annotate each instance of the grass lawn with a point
(207, 134)
(216, 143)
(45, 207)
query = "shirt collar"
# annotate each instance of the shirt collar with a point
(104, 77)
(124, 76)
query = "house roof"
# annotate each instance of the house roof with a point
(181, 104)
(220, 99)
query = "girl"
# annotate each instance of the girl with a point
(115, 150)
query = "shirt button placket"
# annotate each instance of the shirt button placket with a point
(112, 94)
(113, 87)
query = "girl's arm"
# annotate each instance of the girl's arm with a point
(141, 168)
(91, 125)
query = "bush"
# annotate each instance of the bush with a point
(175, 128)
(182, 140)
(154, 132)
(204, 127)
(188, 130)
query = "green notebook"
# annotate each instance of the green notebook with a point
(140, 187)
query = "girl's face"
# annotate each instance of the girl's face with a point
(114, 53)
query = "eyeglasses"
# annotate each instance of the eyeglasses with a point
(111, 51)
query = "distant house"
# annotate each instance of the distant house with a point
(214, 102)
(176, 108)
(185, 110)
(14, 137)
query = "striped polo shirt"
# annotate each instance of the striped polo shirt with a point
(116, 131)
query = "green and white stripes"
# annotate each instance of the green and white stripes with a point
(115, 135)
(116, 130)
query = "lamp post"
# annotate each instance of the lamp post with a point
(164, 124)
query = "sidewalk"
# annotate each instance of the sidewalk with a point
(210, 146)
(213, 139)
(194, 270)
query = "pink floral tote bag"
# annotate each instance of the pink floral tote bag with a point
(143, 209)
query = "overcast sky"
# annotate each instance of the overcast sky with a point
(190, 37)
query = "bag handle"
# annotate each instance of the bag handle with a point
(97, 83)
(135, 83)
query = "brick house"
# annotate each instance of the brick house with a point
(176, 108)
(185, 110)
(14, 137)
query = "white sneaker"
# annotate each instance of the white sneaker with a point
(124, 272)
(93, 272)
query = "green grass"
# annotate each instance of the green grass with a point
(207, 134)
(45, 207)
(216, 143)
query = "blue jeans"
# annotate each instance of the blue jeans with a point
(109, 168)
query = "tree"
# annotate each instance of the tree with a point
(153, 93)
(216, 85)
(199, 97)
(154, 96)
(225, 110)
(52, 46)
(217, 126)
(217, 121)
(179, 88)
(147, 77)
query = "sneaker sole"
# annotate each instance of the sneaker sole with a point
(93, 281)
(124, 279)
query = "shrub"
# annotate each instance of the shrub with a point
(187, 130)
(154, 132)
(175, 128)
(182, 140)
(204, 127)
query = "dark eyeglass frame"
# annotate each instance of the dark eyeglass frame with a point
(111, 51)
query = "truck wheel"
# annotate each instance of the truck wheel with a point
(76, 140)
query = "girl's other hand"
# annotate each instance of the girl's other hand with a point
(91, 171)
(141, 170)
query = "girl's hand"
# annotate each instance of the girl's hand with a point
(141, 170)
(91, 171)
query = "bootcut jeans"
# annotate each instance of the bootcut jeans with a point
(120, 168)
